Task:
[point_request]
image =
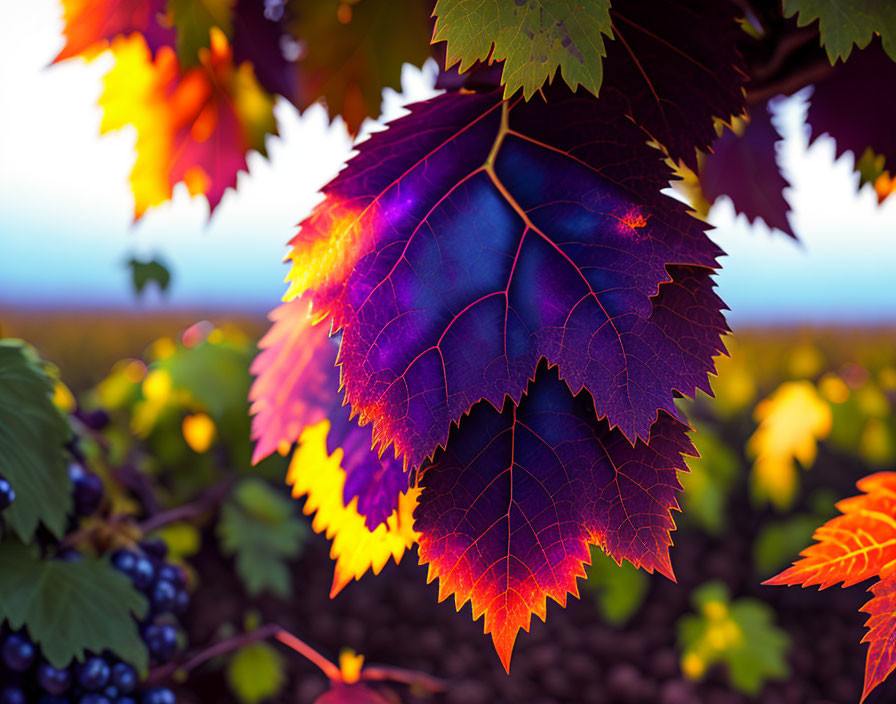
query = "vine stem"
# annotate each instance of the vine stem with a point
(207, 501)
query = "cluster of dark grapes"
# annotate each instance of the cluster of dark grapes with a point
(26, 677)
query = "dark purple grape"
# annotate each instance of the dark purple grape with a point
(7, 494)
(111, 692)
(12, 695)
(94, 698)
(173, 574)
(163, 596)
(155, 547)
(143, 573)
(93, 675)
(125, 700)
(95, 420)
(159, 695)
(18, 652)
(125, 561)
(182, 602)
(124, 677)
(53, 680)
(87, 489)
(161, 640)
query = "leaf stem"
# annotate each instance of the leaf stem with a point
(207, 501)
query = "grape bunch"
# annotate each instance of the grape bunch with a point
(26, 677)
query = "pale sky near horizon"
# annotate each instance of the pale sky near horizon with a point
(65, 205)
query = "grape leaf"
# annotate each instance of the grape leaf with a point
(508, 511)
(850, 106)
(317, 475)
(534, 38)
(745, 168)
(297, 386)
(740, 633)
(357, 693)
(791, 421)
(490, 234)
(32, 435)
(857, 545)
(843, 23)
(260, 528)
(619, 590)
(91, 24)
(678, 65)
(261, 36)
(355, 49)
(255, 673)
(194, 21)
(655, 46)
(194, 126)
(70, 608)
(707, 484)
(144, 272)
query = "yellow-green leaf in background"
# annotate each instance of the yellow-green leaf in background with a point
(255, 673)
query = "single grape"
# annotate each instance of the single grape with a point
(111, 692)
(125, 561)
(143, 573)
(161, 641)
(163, 596)
(12, 695)
(124, 677)
(7, 494)
(174, 574)
(155, 547)
(18, 652)
(182, 602)
(53, 680)
(159, 695)
(93, 675)
(87, 489)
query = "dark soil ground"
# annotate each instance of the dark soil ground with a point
(574, 657)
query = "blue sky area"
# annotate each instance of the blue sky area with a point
(65, 207)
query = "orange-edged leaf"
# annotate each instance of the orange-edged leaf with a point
(852, 547)
(319, 476)
(193, 127)
(881, 635)
(91, 24)
(511, 507)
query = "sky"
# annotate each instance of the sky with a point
(66, 210)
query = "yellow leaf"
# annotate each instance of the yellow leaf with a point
(320, 478)
(791, 421)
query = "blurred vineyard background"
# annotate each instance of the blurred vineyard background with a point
(801, 414)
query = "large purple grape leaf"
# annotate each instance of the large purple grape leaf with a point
(856, 105)
(508, 511)
(476, 236)
(745, 168)
(297, 386)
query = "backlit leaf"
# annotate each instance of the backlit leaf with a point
(791, 421)
(194, 21)
(853, 547)
(32, 435)
(843, 23)
(501, 233)
(509, 510)
(318, 476)
(70, 608)
(744, 167)
(194, 127)
(90, 25)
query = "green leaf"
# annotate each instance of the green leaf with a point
(261, 528)
(707, 485)
(533, 37)
(843, 23)
(619, 590)
(142, 273)
(255, 673)
(32, 434)
(741, 634)
(194, 20)
(779, 543)
(71, 607)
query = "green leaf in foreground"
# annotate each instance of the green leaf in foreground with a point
(843, 23)
(261, 528)
(740, 633)
(32, 435)
(619, 590)
(255, 673)
(71, 607)
(533, 37)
